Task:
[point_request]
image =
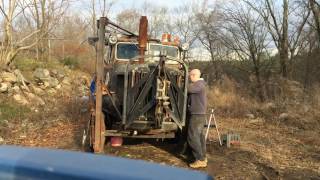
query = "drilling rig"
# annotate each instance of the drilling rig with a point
(139, 89)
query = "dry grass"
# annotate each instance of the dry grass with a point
(292, 106)
(229, 100)
(315, 94)
(282, 148)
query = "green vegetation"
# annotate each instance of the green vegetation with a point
(70, 61)
(26, 64)
(9, 111)
(30, 64)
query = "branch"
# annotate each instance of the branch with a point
(299, 30)
(4, 13)
(28, 36)
(276, 36)
(27, 47)
(273, 18)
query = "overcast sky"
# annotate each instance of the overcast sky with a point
(136, 3)
(83, 6)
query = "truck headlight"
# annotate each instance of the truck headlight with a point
(113, 39)
(185, 46)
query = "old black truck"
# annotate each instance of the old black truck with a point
(140, 86)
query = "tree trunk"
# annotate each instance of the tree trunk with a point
(316, 13)
(94, 18)
(216, 71)
(44, 30)
(259, 86)
(307, 73)
(256, 68)
(284, 48)
(284, 62)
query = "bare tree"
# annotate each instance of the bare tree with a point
(209, 24)
(160, 21)
(41, 16)
(278, 29)
(245, 34)
(97, 8)
(93, 16)
(285, 38)
(10, 46)
(129, 19)
(184, 23)
(105, 6)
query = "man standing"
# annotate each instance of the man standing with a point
(197, 116)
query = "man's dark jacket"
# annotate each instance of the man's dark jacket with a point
(197, 97)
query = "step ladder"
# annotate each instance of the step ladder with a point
(215, 125)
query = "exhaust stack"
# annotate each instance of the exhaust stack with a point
(143, 37)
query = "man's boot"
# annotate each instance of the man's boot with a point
(198, 164)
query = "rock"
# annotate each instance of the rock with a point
(256, 121)
(1, 140)
(41, 74)
(83, 110)
(4, 87)
(306, 108)
(50, 82)
(61, 74)
(54, 72)
(52, 91)
(58, 86)
(250, 116)
(16, 89)
(24, 88)
(46, 84)
(1, 80)
(66, 81)
(23, 136)
(35, 99)
(8, 77)
(270, 105)
(20, 76)
(284, 116)
(5, 122)
(53, 82)
(37, 90)
(84, 99)
(58, 73)
(20, 99)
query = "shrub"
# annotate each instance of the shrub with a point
(26, 64)
(72, 62)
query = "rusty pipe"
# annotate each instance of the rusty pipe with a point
(143, 37)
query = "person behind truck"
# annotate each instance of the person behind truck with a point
(197, 117)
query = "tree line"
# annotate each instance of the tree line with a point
(261, 38)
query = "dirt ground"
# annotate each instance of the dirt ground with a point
(267, 151)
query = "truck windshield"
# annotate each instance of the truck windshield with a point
(169, 50)
(127, 51)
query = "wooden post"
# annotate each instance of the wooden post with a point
(99, 121)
